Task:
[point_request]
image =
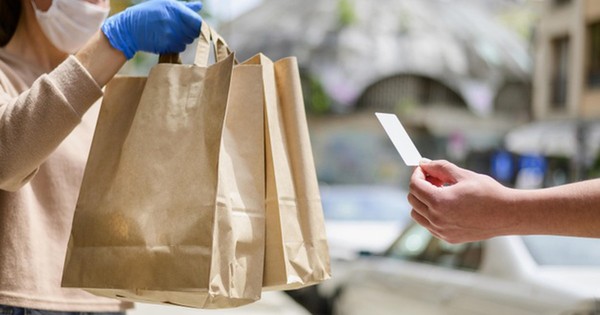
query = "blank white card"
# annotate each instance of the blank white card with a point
(400, 138)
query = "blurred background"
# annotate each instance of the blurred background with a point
(509, 88)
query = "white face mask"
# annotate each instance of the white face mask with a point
(69, 24)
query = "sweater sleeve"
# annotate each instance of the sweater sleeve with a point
(33, 124)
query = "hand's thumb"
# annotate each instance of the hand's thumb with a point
(195, 6)
(443, 170)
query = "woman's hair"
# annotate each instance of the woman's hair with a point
(10, 11)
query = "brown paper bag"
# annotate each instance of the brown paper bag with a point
(296, 246)
(171, 209)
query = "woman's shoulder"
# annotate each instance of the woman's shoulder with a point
(15, 74)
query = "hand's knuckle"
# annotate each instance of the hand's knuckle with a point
(411, 199)
(436, 218)
(440, 203)
(412, 186)
(415, 216)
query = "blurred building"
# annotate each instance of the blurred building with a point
(457, 75)
(566, 89)
(567, 58)
(432, 51)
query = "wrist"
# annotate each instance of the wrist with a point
(511, 211)
(519, 211)
(101, 59)
(532, 210)
(115, 38)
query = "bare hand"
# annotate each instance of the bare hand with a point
(459, 205)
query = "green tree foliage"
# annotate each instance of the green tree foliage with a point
(347, 15)
(316, 100)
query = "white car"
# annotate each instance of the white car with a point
(357, 218)
(421, 275)
(363, 218)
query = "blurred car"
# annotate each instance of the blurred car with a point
(357, 218)
(271, 303)
(363, 218)
(419, 274)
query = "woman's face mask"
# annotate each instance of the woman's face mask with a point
(69, 24)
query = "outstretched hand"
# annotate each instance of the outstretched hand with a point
(459, 205)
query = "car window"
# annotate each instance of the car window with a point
(464, 256)
(412, 244)
(417, 244)
(563, 250)
(383, 205)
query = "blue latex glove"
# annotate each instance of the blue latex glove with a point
(156, 26)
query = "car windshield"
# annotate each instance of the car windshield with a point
(563, 251)
(365, 205)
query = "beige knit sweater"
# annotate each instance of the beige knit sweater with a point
(44, 143)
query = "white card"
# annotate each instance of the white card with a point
(400, 138)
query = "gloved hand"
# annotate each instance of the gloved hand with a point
(156, 26)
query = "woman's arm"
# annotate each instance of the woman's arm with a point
(34, 123)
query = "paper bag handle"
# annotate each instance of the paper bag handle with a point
(207, 36)
(222, 50)
(169, 58)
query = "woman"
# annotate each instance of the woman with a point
(48, 108)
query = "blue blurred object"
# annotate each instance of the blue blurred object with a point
(532, 170)
(533, 163)
(502, 166)
(160, 26)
